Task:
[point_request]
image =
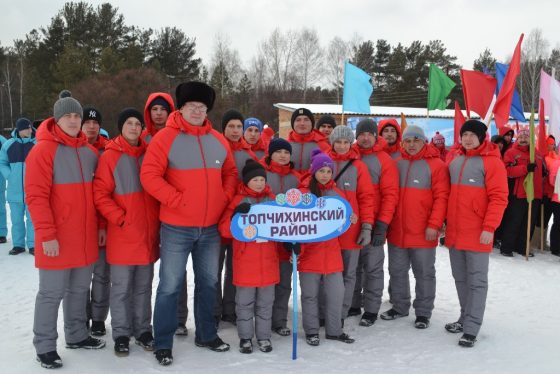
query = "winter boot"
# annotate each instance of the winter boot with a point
(146, 341)
(368, 319)
(87, 343)
(246, 346)
(231, 318)
(16, 251)
(98, 328)
(265, 345)
(392, 314)
(2, 241)
(454, 327)
(467, 341)
(422, 322)
(181, 330)
(164, 357)
(354, 312)
(216, 345)
(122, 346)
(32, 251)
(344, 337)
(283, 331)
(312, 339)
(50, 360)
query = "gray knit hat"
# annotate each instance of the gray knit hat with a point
(341, 132)
(413, 131)
(66, 104)
(366, 125)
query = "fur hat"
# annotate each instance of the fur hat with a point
(195, 91)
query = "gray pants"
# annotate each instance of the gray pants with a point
(253, 306)
(182, 305)
(225, 305)
(423, 267)
(71, 286)
(470, 271)
(282, 292)
(350, 258)
(333, 285)
(370, 276)
(131, 299)
(98, 302)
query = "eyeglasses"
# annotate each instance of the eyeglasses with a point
(196, 108)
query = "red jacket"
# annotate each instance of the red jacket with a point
(100, 144)
(393, 150)
(478, 197)
(191, 171)
(355, 183)
(424, 190)
(384, 178)
(321, 257)
(281, 178)
(132, 214)
(303, 145)
(241, 151)
(552, 178)
(260, 148)
(549, 160)
(59, 192)
(254, 264)
(150, 129)
(516, 159)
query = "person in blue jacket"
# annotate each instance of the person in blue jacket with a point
(3, 221)
(12, 165)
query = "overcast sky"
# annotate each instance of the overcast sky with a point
(465, 27)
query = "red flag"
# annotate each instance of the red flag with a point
(478, 91)
(503, 101)
(459, 120)
(541, 140)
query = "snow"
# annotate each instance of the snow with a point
(519, 334)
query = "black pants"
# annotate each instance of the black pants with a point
(514, 224)
(555, 229)
(547, 203)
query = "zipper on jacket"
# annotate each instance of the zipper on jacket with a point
(459, 186)
(85, 204)
(403, 199)
(206, 175)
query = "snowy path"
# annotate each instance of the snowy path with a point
(520, 332)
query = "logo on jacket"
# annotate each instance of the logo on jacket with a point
(416, 181)
(472, 180)
(218, 162)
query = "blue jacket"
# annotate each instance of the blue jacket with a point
(2, 180)
(12, 164)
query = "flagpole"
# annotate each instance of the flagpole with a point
(543, 229)
(528, 244)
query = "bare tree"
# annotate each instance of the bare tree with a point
(8, 84)
(533, 59)
(337, 53)
(309, 62)
(277, 51)
(225, 64)
(20, 49)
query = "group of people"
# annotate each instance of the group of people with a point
(168, 185)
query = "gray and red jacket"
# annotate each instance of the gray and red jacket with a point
(132, 214)
(150, 129)
(303, 145)
(478, 197)
(241, 153)
(384, 180)
(59, 194)
(423, 194)
(191, 171)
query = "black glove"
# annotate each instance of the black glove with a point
(531, 167)
(379, 233)
(242, 208)
(292, 247)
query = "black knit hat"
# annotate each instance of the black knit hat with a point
(229, 115)
(160, 101)
(251, 170)
(302, 112)
(91, 113)
(473, 125)
(23, 124)
(326, 120)
(277, 144)
(366, 125)
(195, 91)
(126, 114)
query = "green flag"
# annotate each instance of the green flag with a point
(439, 87)
(528, 182)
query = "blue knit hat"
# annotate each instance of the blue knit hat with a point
(253, 122)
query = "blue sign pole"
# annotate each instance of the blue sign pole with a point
(295, 306)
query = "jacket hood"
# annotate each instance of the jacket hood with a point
(50, 131)
(150, 127)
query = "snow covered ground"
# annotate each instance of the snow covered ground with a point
(520, 333)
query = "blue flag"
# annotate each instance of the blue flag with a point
(516, 110)
(357, 90)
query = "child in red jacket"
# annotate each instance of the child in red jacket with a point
(322, 263)
(255, 264)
